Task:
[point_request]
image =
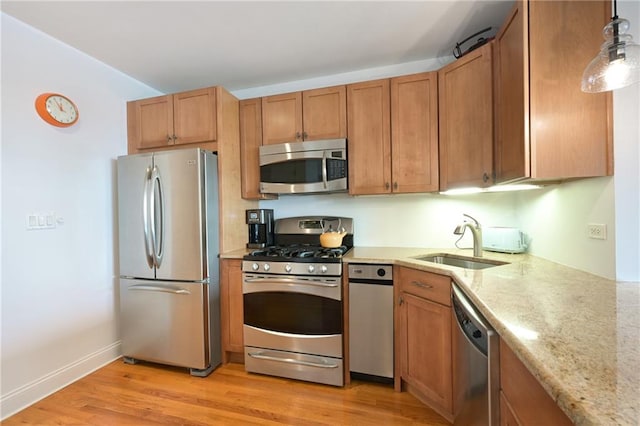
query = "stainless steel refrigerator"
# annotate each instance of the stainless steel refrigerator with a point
(168, 240)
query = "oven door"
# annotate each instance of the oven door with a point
(293, 313)
(302, 169)
(293, 327)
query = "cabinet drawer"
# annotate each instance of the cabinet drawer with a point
(434, 287)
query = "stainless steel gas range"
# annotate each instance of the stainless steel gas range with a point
(293, 308)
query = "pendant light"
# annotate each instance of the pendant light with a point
(618, 63)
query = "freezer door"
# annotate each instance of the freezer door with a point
(178, 231)
(165, 322)
(135, 249)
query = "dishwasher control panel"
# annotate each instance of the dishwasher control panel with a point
(369, 272)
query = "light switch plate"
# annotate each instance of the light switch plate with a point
(37, 221)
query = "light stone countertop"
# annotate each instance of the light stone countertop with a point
(236, 254)
(577, 333)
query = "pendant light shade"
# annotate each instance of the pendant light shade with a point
(618, 63)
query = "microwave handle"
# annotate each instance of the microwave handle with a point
(324, 169)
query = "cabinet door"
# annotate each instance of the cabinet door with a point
(369, 133)
(511, 67)
(414, 132)
(571, 131)
(529, 403)
(250, 141)
(282, 118)
(150, 123)
(324, 113)
(231, 307)
(507, 416)
(466, 121)
(425, 351)
(194, 115)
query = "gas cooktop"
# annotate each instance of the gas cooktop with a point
(298, 253)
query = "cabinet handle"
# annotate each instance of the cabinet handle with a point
(485, 177)
(386, 185)
(298, 136)
(304, 136)
(421, 285)
(395, 185)
(169, 138)
(175, 138)
(400, 301)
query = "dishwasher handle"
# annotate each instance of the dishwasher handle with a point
(470, 322)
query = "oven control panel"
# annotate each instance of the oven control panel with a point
(292, 268)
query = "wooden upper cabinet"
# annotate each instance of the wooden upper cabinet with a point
(324, 113)
(309, 115)
(282, 118)
(511, 68)
(414, 132)
(182, 118)
(466, 120)
(369, 142)
(250, 142)
(150, 122)
(546, 127)
(194, 116)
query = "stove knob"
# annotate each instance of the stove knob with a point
(324, 269)
(266, 267)
(255, 266)
(311, 268)
(287, 268)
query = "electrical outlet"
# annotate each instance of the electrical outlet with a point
(597, 231)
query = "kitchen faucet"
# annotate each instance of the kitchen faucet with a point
(475, 230)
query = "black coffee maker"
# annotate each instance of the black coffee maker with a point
(260, 223)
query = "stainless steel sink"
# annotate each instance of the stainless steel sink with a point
(460, 261)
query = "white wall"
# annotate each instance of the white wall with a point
(411, 220)
(59, 301)
(626, 106)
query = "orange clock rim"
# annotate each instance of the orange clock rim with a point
(41, 109)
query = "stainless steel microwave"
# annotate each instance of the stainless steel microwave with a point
(304, 167)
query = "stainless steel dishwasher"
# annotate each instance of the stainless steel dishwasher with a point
(476, 365)
(371, 322)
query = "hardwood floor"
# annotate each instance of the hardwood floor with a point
(148, 394)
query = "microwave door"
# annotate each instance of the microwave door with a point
(300, 172)
(293, 172)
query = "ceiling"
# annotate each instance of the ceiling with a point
(181, 45)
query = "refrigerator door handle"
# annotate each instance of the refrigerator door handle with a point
(146, 218)
(172, 290)
(157, 213)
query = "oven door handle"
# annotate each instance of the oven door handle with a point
(260, 355)
(289, 281)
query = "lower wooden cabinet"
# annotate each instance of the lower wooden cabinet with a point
(423, 337)
(523, 401)
(231, 310)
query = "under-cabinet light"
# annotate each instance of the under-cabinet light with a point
(494, 188)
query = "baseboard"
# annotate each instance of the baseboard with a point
(33, 392)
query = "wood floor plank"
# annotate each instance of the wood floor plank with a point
(149, 394)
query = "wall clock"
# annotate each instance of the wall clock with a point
(56, 109)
